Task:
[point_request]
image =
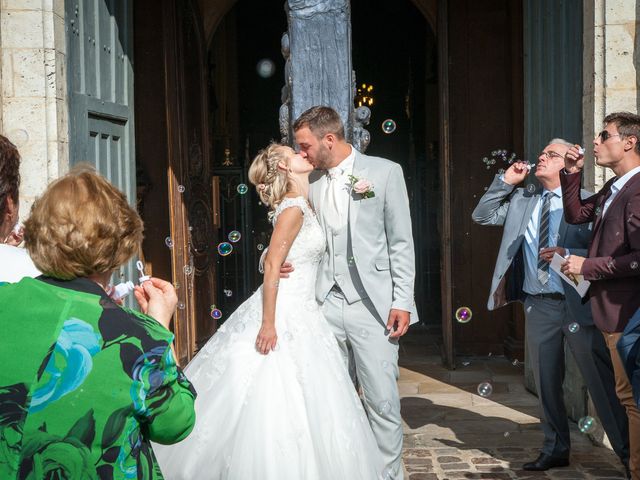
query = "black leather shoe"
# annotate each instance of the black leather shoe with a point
(545, 462)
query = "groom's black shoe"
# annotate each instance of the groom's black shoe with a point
(545, 462)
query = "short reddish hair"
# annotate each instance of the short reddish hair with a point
(82, 225)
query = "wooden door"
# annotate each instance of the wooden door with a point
(189, 175)
(174, 164)
(482, 108)
(100, 82)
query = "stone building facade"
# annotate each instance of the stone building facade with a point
(611, 57)
(34, 107)
(33, 102)
(33, 97)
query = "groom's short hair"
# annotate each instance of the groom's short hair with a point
(320, 120)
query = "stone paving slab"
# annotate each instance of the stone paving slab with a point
(451, 432)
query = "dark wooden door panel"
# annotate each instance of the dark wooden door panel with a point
(486, 113)
(176, 183)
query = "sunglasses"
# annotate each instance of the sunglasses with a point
(604, 135)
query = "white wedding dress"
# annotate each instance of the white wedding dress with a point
(290, 415)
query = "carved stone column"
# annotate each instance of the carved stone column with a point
(318, 71)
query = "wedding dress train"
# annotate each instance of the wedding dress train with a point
(290, 415)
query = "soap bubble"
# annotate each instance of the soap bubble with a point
(225, 248)
(215, 313)
(19, 137)
(464, 314)
(235, 236)
(260, 247)
(266, 68)
(242, 188)
(384, 407)
(363, 333)
(485, 389)
(239, 327)
(573, 327)
(389, 126)
(181, 188)
(227, 292)
(587, 424)
(181, 306)
(531, 188)
(388, 474)
(168, 242)
(311, 305)
(188, 269)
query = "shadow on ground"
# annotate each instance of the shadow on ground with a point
(452, 432)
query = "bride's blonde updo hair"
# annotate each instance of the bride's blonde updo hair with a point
(272, 183)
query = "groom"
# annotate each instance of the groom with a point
(365, 280)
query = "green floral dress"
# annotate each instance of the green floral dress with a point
(85, 385)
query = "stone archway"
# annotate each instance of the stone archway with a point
(428, 8)
(214, 10)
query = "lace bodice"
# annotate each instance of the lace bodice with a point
(307, 248)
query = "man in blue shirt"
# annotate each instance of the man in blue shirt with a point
(534, 230)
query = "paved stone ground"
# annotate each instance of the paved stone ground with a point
(453, 433)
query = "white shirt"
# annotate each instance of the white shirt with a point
(617, 186)
(336, 194)
(16, 264)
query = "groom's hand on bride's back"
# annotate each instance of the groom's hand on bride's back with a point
(285, 269)
(398, 323)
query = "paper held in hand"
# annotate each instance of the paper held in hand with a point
(578, 282)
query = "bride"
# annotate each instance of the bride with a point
(275, 401)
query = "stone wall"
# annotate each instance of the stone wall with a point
(610, 80)
(33, 103)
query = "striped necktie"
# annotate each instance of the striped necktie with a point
(543, 237)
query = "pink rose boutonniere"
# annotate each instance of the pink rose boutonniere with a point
(361, 186)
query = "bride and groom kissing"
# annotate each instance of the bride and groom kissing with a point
(275, 396)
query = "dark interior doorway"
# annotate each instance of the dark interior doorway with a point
(395, 51)
(246, 71)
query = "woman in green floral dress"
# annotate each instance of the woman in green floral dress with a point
(86, 384)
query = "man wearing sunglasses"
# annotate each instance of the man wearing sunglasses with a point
(613, 259)
(534, 230)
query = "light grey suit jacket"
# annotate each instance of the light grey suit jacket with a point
(504, 205)
(380, 236)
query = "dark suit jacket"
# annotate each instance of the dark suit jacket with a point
(613, 263)
(629, 349)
